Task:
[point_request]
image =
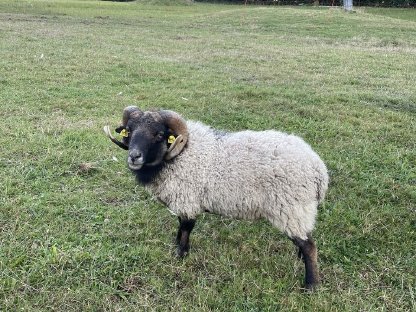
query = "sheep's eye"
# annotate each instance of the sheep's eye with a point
(160, 135)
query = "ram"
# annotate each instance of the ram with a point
(193, 168)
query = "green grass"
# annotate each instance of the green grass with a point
(77, 234)
(405, 14)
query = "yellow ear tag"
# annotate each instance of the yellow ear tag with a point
(124, 133)
(171, 139)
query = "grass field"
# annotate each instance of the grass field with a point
(400, 13)
(77, 234)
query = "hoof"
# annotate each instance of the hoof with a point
(181, 252)
(311, 287)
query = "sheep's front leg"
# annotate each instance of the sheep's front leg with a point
(182, 238)
(308, 251)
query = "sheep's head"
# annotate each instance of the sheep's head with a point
(148, 136)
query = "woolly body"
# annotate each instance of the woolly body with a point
(246, 175)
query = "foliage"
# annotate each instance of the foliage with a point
(379, 3)
(166, 2)
(77, 234)
(386, 3)
(119, 0)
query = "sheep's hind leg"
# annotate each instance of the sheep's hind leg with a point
(309, 254)
(182, 238)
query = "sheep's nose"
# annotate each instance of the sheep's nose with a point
(134, 155)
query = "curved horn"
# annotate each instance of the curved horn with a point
(178, 125)
(113, 139)
(128, 112)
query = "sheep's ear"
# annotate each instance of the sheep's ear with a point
(176, 147)
(178, 125)
(120, 128)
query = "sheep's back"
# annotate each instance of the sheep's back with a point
(245, 175)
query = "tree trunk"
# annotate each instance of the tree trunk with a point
(348, 5)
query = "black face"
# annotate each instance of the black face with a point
(147, 142)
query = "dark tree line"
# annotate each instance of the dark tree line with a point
(380, 3)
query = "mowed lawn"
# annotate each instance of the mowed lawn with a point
(78, 234)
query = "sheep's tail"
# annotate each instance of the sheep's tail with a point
(321, 187)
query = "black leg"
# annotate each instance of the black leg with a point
(309, 254)
(182, 238)
(179, 235)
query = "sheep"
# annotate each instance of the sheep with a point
(192, 168)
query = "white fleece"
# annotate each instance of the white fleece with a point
(247, 175)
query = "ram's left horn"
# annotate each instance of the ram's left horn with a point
(175, 122)
(113, 139)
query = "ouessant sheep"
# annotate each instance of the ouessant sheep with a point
(193, 168)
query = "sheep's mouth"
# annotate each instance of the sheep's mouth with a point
(137, 164)
(133, 166)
